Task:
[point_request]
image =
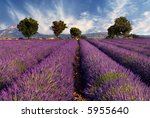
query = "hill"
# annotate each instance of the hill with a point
(12, 32)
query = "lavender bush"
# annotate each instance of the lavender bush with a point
(130, 46)
(63, 70)
(14, 64)
(52, 79)
(142, 43)
(136, 62)
(106, 79)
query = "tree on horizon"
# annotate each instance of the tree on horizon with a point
(28, 27)
(58, 27)
(121, 27)
(75, 32)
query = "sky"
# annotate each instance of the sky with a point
(88, 15)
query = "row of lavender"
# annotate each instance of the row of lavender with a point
(143, 43)
(104, 79)
(10, 48)
(138, 63)
(26, 54)
(107, 80)
(129, 46)
(52, 79)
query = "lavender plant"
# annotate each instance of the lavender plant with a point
(136, 62)
(15, 64)
(52, 79)
(129, 46)
(106, 79)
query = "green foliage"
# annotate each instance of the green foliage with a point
(83, 37)
(28, 27)
(126, 88)
(112, 31)
(21, 66)
(133, 36)
(75, 32)
(58, 27)
(107, 77)
(110, 76)
(122, 27)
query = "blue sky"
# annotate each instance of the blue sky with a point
(88, 15)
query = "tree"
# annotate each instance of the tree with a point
(112, 31)
(75, 32)
(134, 36)
(28, 27)
(83, 37)
(58, 27)
(122, 27)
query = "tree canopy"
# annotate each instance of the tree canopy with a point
(28, 27)
(58, 27)
(121, 27)
(75, 32)
(83, 37)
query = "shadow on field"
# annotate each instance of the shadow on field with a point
(79, 81)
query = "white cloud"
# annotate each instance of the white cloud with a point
(42, 19)
(118, 8)
(121, 8)
(84, 14)
(86, 22)
(46, 16)
(141, 25)
(15, 14)
(3, 26)
(45, 19)
(83, 24)
(125, 8)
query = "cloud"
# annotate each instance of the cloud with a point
(126, 8)
(3, 26)
(45, 17)
(83, 24)
(15, 14)
(121, 8)
(86, 21)
(84, 14)
(118, 8)
(42, 19)
(140, 25)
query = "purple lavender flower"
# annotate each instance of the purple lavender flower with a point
(134, 61)
(107, 80)
(52, 79)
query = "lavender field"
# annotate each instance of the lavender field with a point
(71, 70)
